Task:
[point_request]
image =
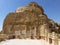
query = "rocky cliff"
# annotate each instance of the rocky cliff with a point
(29, 22)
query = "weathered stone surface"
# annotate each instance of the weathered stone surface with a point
(29, 22)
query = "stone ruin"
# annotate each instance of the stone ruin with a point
(30, 22)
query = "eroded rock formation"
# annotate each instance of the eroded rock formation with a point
(29, 22)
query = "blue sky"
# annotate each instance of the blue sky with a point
(51, 7)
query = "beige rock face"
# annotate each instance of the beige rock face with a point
(29, 22)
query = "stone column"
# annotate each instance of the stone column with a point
(28, 32)
(34, 33)
(39, 32)
(42, 32)
(50, 38)
(46, 34)
(25, 32)
(55, 37)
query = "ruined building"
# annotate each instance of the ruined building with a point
(30, 22)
